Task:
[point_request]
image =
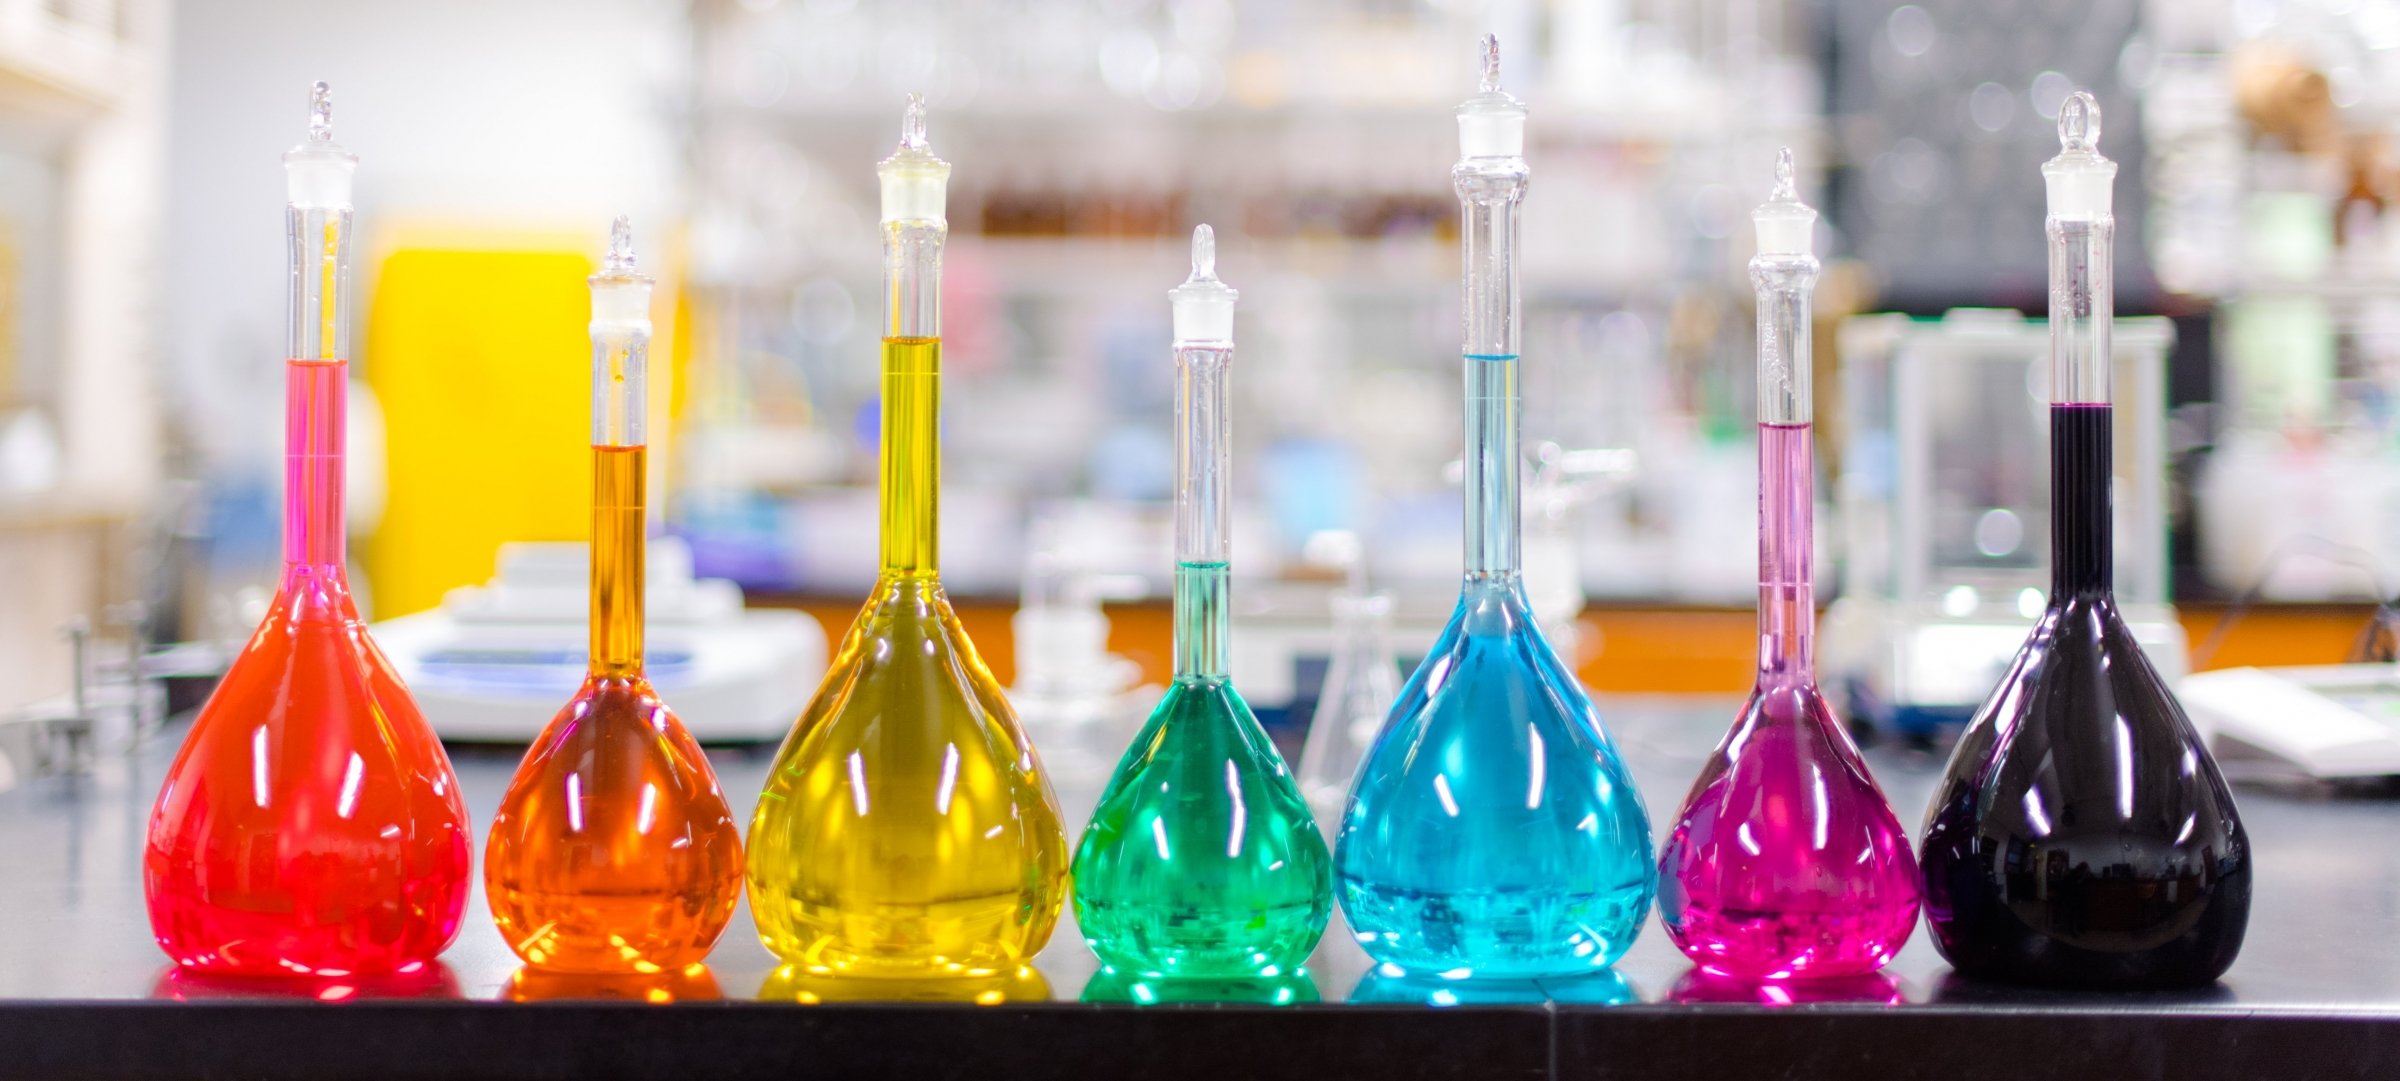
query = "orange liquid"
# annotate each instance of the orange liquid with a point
(613, 851)
(691, 983)
(311, 824)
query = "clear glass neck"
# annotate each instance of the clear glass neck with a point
(1785, 361)
(316, 385)
(1490, 190)
(318, 243)
(620, 500)
(912, 278)
(1787, 603)
(1202, 506)
(2082, 305)
(2082, 466)
(910, 470)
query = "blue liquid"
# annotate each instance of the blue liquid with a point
(1493, 830)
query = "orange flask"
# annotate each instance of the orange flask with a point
(614, 851)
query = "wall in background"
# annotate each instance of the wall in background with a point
(477, 125)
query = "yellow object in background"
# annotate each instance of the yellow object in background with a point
(479, 359)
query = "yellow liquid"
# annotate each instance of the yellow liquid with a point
(906, 829)
(792, 983)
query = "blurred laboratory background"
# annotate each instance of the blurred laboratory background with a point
(142, 293)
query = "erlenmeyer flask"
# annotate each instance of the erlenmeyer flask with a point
(311, 824)
(1786, 861)
(2083, 835)
(1201, 858)
(906, 828)
(1361, 683)
(1493, 830)
(614, 851)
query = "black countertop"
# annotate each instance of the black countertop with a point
(85, 993)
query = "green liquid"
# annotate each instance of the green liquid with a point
(1202, 859)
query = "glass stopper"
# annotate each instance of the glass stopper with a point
(912, 124)
(2079, 122)
(1204, 254)
(620, 244)
(1491, 64)
(320, 112)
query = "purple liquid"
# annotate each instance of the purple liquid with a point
(2083, 836)
(1786, 861)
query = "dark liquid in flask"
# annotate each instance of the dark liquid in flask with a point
(2083, 836)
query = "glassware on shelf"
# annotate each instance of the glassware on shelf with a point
(907, 829)
(614, 851)
(1362, 680)
(1493, 830)
(311, 825)
(2082, 835)
(1202, 859)
(1786, 861)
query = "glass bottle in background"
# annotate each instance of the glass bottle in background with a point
(2082, 835)
(614, 851)
(1362, 680)
(907, 829)
(1493, 829)
(1786, 861)
(311, 824)
(1202, 859)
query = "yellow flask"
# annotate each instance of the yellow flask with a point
(906, 829)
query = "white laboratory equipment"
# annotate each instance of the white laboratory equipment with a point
(493, 661)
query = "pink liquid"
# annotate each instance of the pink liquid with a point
(1786, 861)
(311, 826)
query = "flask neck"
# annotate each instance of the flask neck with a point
(1203, 543)
(1787, 596)
(2082, 312)
(1203, 621)
(1490, 190)
(1491, 470)
(316, 412)
(620, 516)
(2082, 529)
(910, 468)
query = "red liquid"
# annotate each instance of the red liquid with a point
(311, 825)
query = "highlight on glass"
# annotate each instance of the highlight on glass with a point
(311, 824)
(907, 829)
(613, 850)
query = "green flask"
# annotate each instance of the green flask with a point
(1202, 860)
